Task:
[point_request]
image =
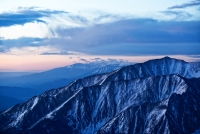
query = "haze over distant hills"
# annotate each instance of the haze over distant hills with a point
(22, 87)
(158, 96)
(13, 74)
(71, 72)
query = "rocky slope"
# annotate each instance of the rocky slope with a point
(158, 96)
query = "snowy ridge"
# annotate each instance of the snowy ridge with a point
(6, 110)
(158, 96)
(157, 67)
(106, 76)
(50, 114)
(19, 118)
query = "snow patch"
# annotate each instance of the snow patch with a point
(104, 78)
(7, 110)
(35, 102)
(50, 114)
(20, 117)
(197, 75)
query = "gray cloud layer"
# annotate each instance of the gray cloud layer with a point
(185, 5)
(127, 37)
(123, 37)
(133, 31)
(25, 15)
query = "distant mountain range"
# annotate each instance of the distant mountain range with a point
(157, 96)
(12, 74)
(70, 72)
(14, 95)
(23, 87)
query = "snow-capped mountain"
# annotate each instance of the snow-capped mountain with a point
(71, 72)
(158, 96)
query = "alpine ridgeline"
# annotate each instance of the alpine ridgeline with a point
(158, 96)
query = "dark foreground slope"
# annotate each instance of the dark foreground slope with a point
(158, 96)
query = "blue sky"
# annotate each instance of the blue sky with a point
(39, 35)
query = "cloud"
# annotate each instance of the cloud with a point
(195, 56)
(84, 60)
(134, 49)
(103, 34)
(177, 15)
(129, 31)
(124, 37)
(185, 5)
(25, 15)
(100, 28)
(108, 61)
(34, 29)
(1, 49)
(43, 23)
(22, 42)
(60, 53)
(32, 50)
(97, 59)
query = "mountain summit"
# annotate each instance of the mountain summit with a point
(157, 96)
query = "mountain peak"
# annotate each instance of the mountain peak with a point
(143, 98)
(167, 57)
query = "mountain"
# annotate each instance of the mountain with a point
(69, 73)
(37, 83)
(26, 86)
(6, 102)
(18, 92)
(13, 74)
(42, 87)
(10, 96)
(158, 96)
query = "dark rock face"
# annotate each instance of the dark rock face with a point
(158, 96)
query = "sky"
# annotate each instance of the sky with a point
(40, 35)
